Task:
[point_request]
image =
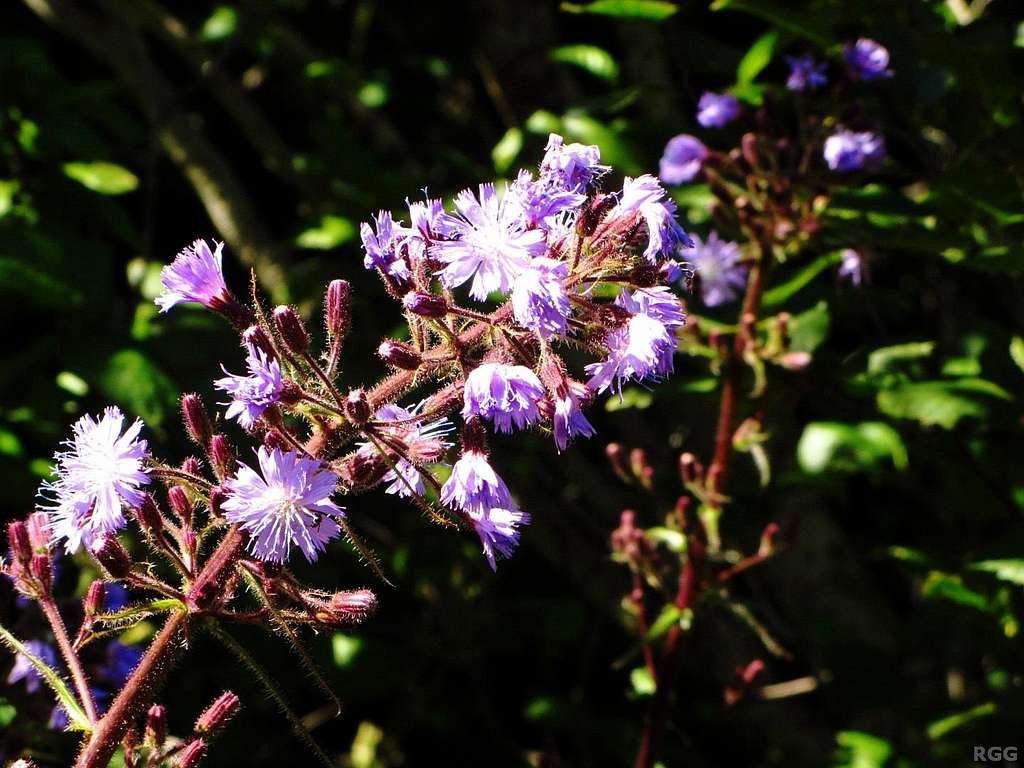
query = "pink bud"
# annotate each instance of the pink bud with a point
(425, 304)
(218, 714)
(114, 558)
(41, 568)
(356, 407)
(221, 457)
(95, 598)
(291, 329)
(197, 420)
(399, 355)
(192, 754)
(156, 725)
(338, 308)
(18, 541)
(177, 497)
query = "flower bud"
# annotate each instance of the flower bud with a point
(38, 526)
(156, 725)
(192, 466)
(218, 496)
(41, 568)
(180, 503)
(363, 469)
(149, 515)
(617, 458)
(95, 598)
(291, 393)
(197, 421)
(349, 608)
(255, 336)
(192, 754)
(18, 541)
(221, 457)
(218, 714)
(338, 308)
(426, 450)
(593, 212)
(425, 304)
(748, 147)
(114, 558)
(399, 355)
(291, 329)
(474, 436)
(357, 407)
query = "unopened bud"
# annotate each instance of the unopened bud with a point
(291, 393)
(218, 714)
(192, 466)
(156, 725)
(41, 568)
(192, 754)
(399, 355)
(338, 308)
(351, 607)
(255, 336)
(638, 462)
(180, 503)
(197, 420)
(425, 304)
(363, 469)
(95, 598)
(617, 458)
(291, 329)
(18, 541)
(594, 211)
(38, 526)
(748, 146)
(426, 450)
(357, 407)
(114, 558)
(217, 497)
(474, 436)
(222, 458)
(149, 515)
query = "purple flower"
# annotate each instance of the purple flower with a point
(194, 275)
(102, 469)
(571, 167)
(428, 223)
(381, 246)
(252, 394)
(505, 394)
(642, 348)
(805, 73)
(290, 504)
(539, 301)
(569, 421)
(853, 266)
(646, 197)
(493, 245)
(682, 160)
(867, 59)
(847, 151)
(474, 487)
(25, 670)
(420, 438)
(121, 661)
(541, 201)
(498, 531)
(718, 264)
(715, 110)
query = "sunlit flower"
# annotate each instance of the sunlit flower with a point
(474, 487)
(539, 300)
(569, 421)
(682, 159)
(195, 275)
(380, 242)
(572, 166)
(847, 151)
(646, 197)
(499, 532)
(421, 439)
(543, 202)
(507, 395)
(252, 394)
(718, 264)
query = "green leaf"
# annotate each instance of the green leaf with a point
(642, 682)
(72, 383)
(1004, 570)
(345, 647)
(373, 94)
(861, 750)
(507, 149)
(831, 446)
(669, 616)
(64, 696)
(220, 24)
(7, 713)
(758, 57)
(885, 359)
(590, 58)
(132, 380)
(940, 728)
(10, 445)
(8, 189)
(332, 232)
(950, 587)
(783, 291)
(938, 403)
(671, 538)
(808, 330)
(1017, 351)
(648, 10)
(102, 177)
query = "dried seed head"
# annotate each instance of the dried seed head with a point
(291, 329)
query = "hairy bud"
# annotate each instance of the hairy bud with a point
(192, 466)
(217, 497)
(41, 568)
(593, 212)
(192, 754)
(218, 714)
(18, 541)
(425, 304)
(197, 421)
(399, 355)
(111, 554)
(363, 469)
(222, 458)
(291, 329)
(351, 607)
(156, 726)
(254, 336)
(338, 308)
(357, 407)
(38, 526)
(181, 505)
(95, 598)
(149, 516)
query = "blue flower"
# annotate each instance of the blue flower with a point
(682, 159)
(716, 110)
(539, 300)
(381, 246)
(252, 394)
(646, 197)
(25, 671)
(867, 59)
(507, 395)
(718, 264)
(195, 275)
(805, 73)
(847, 151)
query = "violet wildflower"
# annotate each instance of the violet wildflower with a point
(853, 266)
(507, 395)
(102, 469)
(642, 348)
(715, 110)
(288, 503)
(847, 151)
(428, 223)
(718, 264)
(573, 167)
(569, 421)
(682, 159)
(646, 197)
(542, 201)
(493, 245)
(381, 243)
(867, 59)
(805, 73)
(421, 438)
(539, 300)
(252, 394)
(25, 671)
(499, 532)
(474, 487)
(195, 275)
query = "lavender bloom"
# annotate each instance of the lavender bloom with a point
(717, 264)
(493, 245)
(715, 110)
(646, 197)
(25, 670)
(474, 486)
(682, 160)
(867, 59)
(194, 275)
(539, 301)
(382, 246)
(505, 394)
(853, 266)
(290, 504)
(102, 468)
(428, 223)
(572, 167)
(847, 151)
(499, 532)
(541, 201)
(569, 421)
(252, 394)
(406, 479)
(121, 661)
(805, 73)
(642, 348)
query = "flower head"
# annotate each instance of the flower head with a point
(847, 151)
(25, 670)
(252, 394)
(102, 469)
(505, 394)
(853, 266)
(569, 421)
(805, 73)
(428, 223)
(474, 487)
(498, 531)
(421, 438)
(195, 275)
(288, 503)
(539, 300)
(543, 201)
(644, 346)
(646, 197)
(718, 264)
(380, 242)
(682, 159)
(867, 59)
(571, 167)
(493, 245)
(715, 110)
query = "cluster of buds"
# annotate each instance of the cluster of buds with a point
(31, 565)
(157, 748)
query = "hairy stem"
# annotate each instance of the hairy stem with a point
(60, 632)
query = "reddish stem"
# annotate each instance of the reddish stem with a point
(70, 657)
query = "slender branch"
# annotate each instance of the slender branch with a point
(60, 632)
